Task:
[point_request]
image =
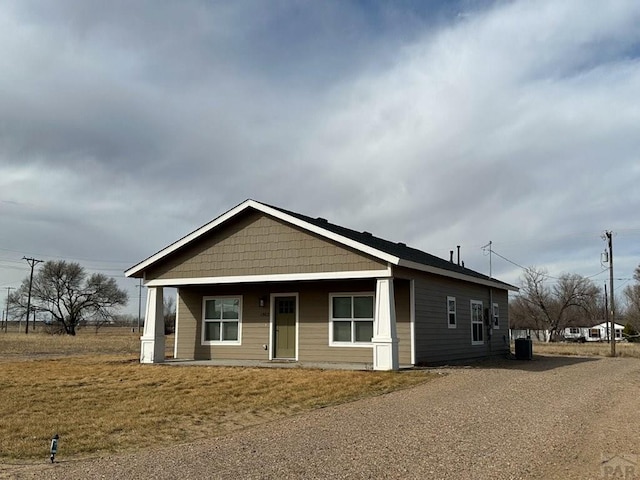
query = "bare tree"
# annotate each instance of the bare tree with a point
(169, 311)
(574, 299)
(64, 290)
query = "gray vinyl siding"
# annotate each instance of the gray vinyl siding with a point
(313, 321)
(435, 341)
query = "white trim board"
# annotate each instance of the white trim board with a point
(285, 277)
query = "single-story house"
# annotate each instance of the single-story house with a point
(601, 332)
(576, 333)
(263, 283)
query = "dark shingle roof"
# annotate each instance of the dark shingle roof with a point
(399, 250)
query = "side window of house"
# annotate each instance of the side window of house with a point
(451, 312)
(477, 325)
(222, 317)
(496, 316)
(351, 319)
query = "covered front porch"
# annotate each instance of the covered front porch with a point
(254, 327)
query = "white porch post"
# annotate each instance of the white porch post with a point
(152, 340)
(385, 339)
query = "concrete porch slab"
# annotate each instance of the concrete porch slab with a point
(274, 364)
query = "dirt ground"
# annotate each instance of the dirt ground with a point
(551, 418)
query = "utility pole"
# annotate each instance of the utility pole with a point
(32, 263)
(488, 245)
(609, 238)
(606, 310)
(6, 318)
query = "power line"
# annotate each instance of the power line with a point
(510, 261)
(596, 274)
(545, 274)
(124, 262)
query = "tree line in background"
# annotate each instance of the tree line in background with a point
(70, 298)
(67, 298)
(572, 301)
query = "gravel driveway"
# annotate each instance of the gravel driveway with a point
(550, 418)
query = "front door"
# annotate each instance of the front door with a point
(284, 315)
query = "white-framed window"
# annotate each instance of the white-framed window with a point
(496, 316)
(222, 320)
(451, 312)
(477, 324)
(574, 330)
(594, 333)
(350, 319)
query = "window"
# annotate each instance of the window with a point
(222, 317)
(451, 311)
(496, 316)
(574, 330)
(618, 333)
(594, 332)
(351, 318)
(477, 326)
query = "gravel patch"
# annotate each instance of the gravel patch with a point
(551, 418)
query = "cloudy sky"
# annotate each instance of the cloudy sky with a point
(125, 125)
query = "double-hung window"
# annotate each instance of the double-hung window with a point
(451, 312)
(222, 319)
(477, 325)
(496, 316)
(351, 318)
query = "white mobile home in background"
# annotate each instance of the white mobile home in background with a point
(596, 333)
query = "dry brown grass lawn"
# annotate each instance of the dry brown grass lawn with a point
(108, 341)
(87, 341)
(589, 349)
(108, 403)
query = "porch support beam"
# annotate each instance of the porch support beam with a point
(385, 338)
(152, 340)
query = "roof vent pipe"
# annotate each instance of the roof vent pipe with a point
(451, 256)
(458, 255)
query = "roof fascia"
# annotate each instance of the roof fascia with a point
(328, 234)
(188, 238)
